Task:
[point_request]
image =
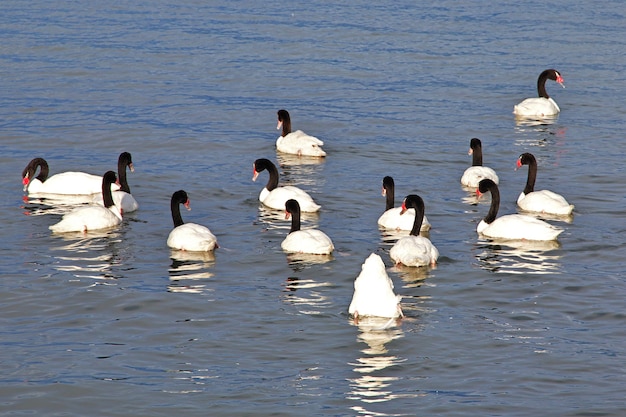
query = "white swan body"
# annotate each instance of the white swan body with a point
(392, 217)
(311, 241)
(190, 237)
(414, 250)
(473, 175)
(537, 107)
(65, 183)
(308, 241)
(477, 172)
(543, 105)
(545, 201)
(275, 197)
(373, 292)
(297, 142)
(87, 219)
(542, 201)
(512, 226)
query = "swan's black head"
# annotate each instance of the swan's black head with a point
(292, 206)
(126, 160)
(554, 75)
(283, 116)
(109, 177)
(413, 201)
(180, 197)
(485, 185)
(262, 164)
(475, 143)
(526, 159)
(388, 183)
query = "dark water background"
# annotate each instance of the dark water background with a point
(116, 324)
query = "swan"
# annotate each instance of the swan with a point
(86, 219)
(373, 292)
(511, 226)
(414, 250)
(274, 196)
(65, 183)
(543, 105)
(472, 175)
(304, 241)
(298, 142)
(122, 197)
(188, 236)
(543, 201)
(391, 218)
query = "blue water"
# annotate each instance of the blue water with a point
(117, 324)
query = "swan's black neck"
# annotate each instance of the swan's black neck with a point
(125, 160)
(108, 179)
(178, 198)
(541, 82)
(266, 164)
(283, 116)
(389, 191)
(477, 152)
(415, 202)
(529, 159)
(489, 185)
(294, 211)
(32, 166)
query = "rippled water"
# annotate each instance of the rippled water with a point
(117, 324)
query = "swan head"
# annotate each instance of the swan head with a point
(526, 159)
(485, 186)
(126, 160)
(388, 184)
(475, 144)
(260, 165)
(412, 201)
(284, 121)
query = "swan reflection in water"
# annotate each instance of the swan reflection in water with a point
(306, 294)
(94, 255)
(519, 256)
(275, 219)
(190, 266)
(370, 385)
(42, 204)
(532, 121)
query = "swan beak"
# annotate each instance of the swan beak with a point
(25, 182)
(255, 174)
(384, 193)
(131, 167)
(187, 206)
(404, 209)
(559, 80)
(518, 164)
(279, 125)
(287, 215)
(478, 193)
(470, 152)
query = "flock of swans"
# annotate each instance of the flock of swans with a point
(110, 198)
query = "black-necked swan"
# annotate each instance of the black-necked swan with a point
(373, 292)
(298, 142)
(190, 237)
(477, 172)
(64, 183)
(122, 197)
(391, 218)
(312, 241)
(543, 105)
(542, 201)
(274, 196)
(86, 219)
(511, 226)
(414, 250)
